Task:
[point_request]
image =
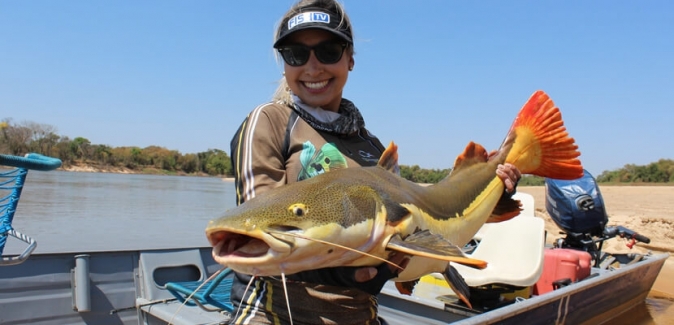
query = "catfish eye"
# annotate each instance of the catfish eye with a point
(298, 209)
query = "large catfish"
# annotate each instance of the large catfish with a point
(375, 211)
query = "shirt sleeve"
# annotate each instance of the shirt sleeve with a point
(257, 154)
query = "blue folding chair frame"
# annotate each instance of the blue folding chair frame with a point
(215, 293)
(13, 181)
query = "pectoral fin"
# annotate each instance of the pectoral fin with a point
(458, 284)
(426, 244)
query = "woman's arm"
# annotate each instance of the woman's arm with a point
(257, 157)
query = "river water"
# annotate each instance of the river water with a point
(68, 211)
(73, 212)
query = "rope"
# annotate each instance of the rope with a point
(13, 260)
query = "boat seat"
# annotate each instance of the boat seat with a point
(160, 267)
(513, 250)
(215, 293)
(527, 201)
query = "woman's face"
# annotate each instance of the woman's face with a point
(316, 83)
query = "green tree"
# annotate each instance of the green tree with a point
(216, 162)
(138, 157)
(64, 151)
(661, 171)
(531, 180)
(103, 154)
(123, 157)
(81, 148)
(189, 163)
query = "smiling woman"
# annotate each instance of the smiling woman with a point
(307, 130)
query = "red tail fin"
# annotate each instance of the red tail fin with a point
(541, 144)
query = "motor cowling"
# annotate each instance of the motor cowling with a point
(576, 206)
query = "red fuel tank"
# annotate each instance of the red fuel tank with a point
(560, 264)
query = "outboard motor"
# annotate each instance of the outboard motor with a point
(577, 207)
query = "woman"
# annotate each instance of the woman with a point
(309, 129)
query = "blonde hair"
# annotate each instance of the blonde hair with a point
(282, 94)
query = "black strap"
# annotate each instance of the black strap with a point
(286, 140)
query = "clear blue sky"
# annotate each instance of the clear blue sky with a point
(430, 75)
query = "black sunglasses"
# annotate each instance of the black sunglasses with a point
(328, 52)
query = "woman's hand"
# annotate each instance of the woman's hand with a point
(368, 273)
(370, 279)
(510, 175)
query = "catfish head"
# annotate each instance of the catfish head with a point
(302, 226)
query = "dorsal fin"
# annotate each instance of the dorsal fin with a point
(473, 154)
(389, 159)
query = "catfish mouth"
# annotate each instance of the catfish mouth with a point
(230, 244)
(233, 244)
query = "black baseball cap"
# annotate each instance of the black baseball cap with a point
(317, 18)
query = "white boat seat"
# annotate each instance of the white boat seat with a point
(513, 250)
(527, 201)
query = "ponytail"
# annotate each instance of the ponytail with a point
(283, 95)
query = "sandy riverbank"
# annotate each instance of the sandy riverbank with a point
(93, 169)
(648, 210)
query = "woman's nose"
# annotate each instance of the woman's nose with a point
(313, 66)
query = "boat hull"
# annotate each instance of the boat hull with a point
(590, 301)
(125, 288)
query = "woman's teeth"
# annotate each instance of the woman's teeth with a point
(315, 85)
